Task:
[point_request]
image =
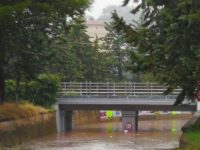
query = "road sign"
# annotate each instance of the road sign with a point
(198, 85)
(117, 114)
(128, 126)
(102, 115)
(198, 99)
(198, 95)
(198, 106)
(109, 114)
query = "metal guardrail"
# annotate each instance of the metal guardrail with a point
(110, 89)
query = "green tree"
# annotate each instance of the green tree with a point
(102, 62)
(80, 59)
(167, 43)
(76, 54)
(40, 91)
(27, 27)
(118, 51)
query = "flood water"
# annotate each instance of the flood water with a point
(152, 135)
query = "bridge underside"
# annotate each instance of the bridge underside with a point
(127, 107)
(122, 104)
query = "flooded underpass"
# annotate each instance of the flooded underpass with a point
(152, 135)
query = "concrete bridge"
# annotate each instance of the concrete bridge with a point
(129, 97)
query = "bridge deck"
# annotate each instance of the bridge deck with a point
(120, 103)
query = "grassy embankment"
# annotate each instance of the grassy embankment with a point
(192, 136)
(12, 111)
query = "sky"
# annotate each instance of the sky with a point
(96, 8)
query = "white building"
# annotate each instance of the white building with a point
(95, 29)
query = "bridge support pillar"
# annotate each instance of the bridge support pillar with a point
(130, 120)
(63, 120)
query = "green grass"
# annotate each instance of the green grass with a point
(192, 135)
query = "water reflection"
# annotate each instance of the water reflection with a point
(110, 136)
(174, 126)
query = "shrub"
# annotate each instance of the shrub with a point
(42, 91)
(11, 111)
(10, 89)
(47, 86)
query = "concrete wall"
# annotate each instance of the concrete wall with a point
(84, 117)
(165, 116)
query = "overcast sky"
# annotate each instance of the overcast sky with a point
(98, 5)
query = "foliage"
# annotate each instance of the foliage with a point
(79, 58)
(10, 89)
(76, 53)
(117, 50)
(167, 43)
(27, 28)
(147, 77)
(103, 62)
(46, 90)
(41, 91)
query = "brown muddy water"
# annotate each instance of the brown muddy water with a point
(152, 135)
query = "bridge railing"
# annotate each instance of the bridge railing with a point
(113, 89)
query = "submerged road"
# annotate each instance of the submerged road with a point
(152, 135)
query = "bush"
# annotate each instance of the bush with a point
(47, 86)
(41, 91)
(10, 89)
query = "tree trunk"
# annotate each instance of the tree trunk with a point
(2, 86)
(120, 77)
(17, 89)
